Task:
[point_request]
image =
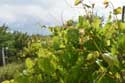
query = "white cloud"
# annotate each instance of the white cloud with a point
(48, 12)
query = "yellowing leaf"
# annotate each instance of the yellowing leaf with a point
(12, 81)
(118, 10)
(122, 26)
(46, 65)
(106, 3)
(117, 75)
(90, 56)
(96, 23)
(29, 63)
(111, 60)
(93, 55)
(6, 81)
(108, 42)
(77, 2)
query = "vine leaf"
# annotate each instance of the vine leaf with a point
(117, 10)
(111, 60)
(86, 5)
(77, 2)
(93, 55)
(29, 63)
(6, 81)
(106, 3)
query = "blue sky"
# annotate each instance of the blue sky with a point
(27, 15)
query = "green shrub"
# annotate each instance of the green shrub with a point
(83, 53)
(91, 54)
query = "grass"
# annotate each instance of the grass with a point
(7, 72)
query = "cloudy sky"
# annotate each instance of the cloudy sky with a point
(28, 15)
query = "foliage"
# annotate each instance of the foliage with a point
(6, 41)
(86, 52)
(77, 2)
(33, 44)
(6, 38)
(12, 42)
(118, 10)
(21, 40)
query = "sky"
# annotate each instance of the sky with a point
(29, 15)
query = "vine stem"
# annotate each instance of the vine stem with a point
(84, 8)
(101, 76)
(97, 46)
(113, 9)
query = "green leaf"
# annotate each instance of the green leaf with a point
(114, 50)
(93, 55)
(106, 3)
(121, 42)
(45, 65)
(6, 81)
(118, 10)
(99, 63)
(90, 56)
(122, 26)
(81, 20)
(96, 23)
(111, 60)
(56, 43)
(77, 2)
(86, 5)
(12, 81)
(107, 79)
(108, 42)
(29, 63)
(22, 79)
(73, 36)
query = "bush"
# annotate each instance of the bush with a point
(83, 53)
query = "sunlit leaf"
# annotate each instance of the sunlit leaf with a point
(96, 22)
(93, 55)
(122, 26)
(118, 10)
(86, 5)
(73, 36)
(114, 50)
(106, 3)
(29, 63)
(6, 81)
(111, 60)
(108, 42)
(117, 75)
(12, 81)
(121, 43)
(100, 65)
(45, 65)
(77, 2)
(22, 79)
